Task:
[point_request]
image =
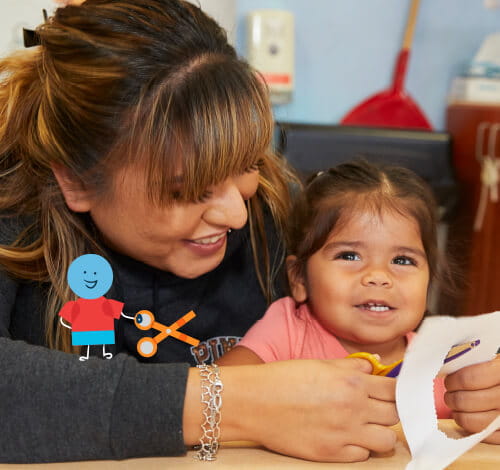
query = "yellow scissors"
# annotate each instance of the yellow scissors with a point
(391, 370)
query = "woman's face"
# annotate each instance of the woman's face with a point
(186, 239)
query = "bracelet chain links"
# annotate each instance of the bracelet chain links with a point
(211, 398)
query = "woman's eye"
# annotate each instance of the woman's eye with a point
(255, 167)
(348, 256)
(205, 196)
(177, 196)
(404, 261)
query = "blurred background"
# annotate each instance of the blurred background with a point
(324, 57)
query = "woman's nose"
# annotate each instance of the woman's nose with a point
(376, 278)
(227, 207)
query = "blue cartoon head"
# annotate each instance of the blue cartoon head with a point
(90, 276)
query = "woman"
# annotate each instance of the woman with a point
(134, 132)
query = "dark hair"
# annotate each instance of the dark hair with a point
(331, 195)
(146, 83)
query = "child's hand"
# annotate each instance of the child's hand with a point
(473, 394)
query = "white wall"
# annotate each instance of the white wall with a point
(17, 14)
(224, 12)
(346, 49)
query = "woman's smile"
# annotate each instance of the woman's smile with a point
(208, 246)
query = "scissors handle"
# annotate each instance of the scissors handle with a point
(391, 370)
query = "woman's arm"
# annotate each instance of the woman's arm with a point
(55, 408)
(473, 394)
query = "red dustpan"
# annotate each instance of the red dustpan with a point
(393, 107)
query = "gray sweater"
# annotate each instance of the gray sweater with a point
(54, 407)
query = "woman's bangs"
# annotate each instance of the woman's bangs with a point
(226, 128)
(192, 135)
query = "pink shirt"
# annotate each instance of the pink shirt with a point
(287, 332)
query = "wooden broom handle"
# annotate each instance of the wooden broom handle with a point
(410, 24)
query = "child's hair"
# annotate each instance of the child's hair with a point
(332, 195)
(152, 84)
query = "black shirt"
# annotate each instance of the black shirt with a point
(55, 408)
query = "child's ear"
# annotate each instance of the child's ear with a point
(296, 280)
(76, 195)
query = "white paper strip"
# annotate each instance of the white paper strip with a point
(429, 447)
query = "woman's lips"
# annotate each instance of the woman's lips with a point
(207, 246)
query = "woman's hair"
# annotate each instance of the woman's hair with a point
(332, 195)
(119, 83)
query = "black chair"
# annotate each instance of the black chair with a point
(310, 148)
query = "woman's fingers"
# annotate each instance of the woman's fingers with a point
(476, 422)
(381, 388)
(352, 453)
(381, 412)
(473, 394)
(376, 438)
(475, 377)
(470, 401)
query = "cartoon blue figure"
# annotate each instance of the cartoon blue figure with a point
(92, 315)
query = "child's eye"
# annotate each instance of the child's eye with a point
(348, 256)
(404, 261)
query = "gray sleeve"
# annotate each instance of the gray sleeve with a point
(8, 291)
(55, 408)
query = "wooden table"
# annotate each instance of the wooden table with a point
(245, 456)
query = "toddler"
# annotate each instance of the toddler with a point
(363, 246)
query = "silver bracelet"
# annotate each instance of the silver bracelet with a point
(211, 398)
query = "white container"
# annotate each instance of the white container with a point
(476, 89)
(270, 50)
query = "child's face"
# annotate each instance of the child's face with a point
(368, 283)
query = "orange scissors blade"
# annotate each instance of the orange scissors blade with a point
(172, 330)
(185, 338)
(182, 321)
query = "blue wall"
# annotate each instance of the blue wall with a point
(346, 50)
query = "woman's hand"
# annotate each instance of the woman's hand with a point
(473, 394)
(317, 410)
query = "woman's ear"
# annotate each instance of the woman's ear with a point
(76, 195)
(296, 280)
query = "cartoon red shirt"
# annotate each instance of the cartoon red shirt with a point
(92, 314)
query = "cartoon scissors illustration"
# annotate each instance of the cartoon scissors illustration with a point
(145, 320)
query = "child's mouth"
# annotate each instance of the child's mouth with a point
(375, 307)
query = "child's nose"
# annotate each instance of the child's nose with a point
(376, 278)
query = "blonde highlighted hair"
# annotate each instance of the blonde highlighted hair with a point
(118, 83)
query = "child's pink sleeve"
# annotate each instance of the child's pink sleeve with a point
(68, 310)
(272, 337)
